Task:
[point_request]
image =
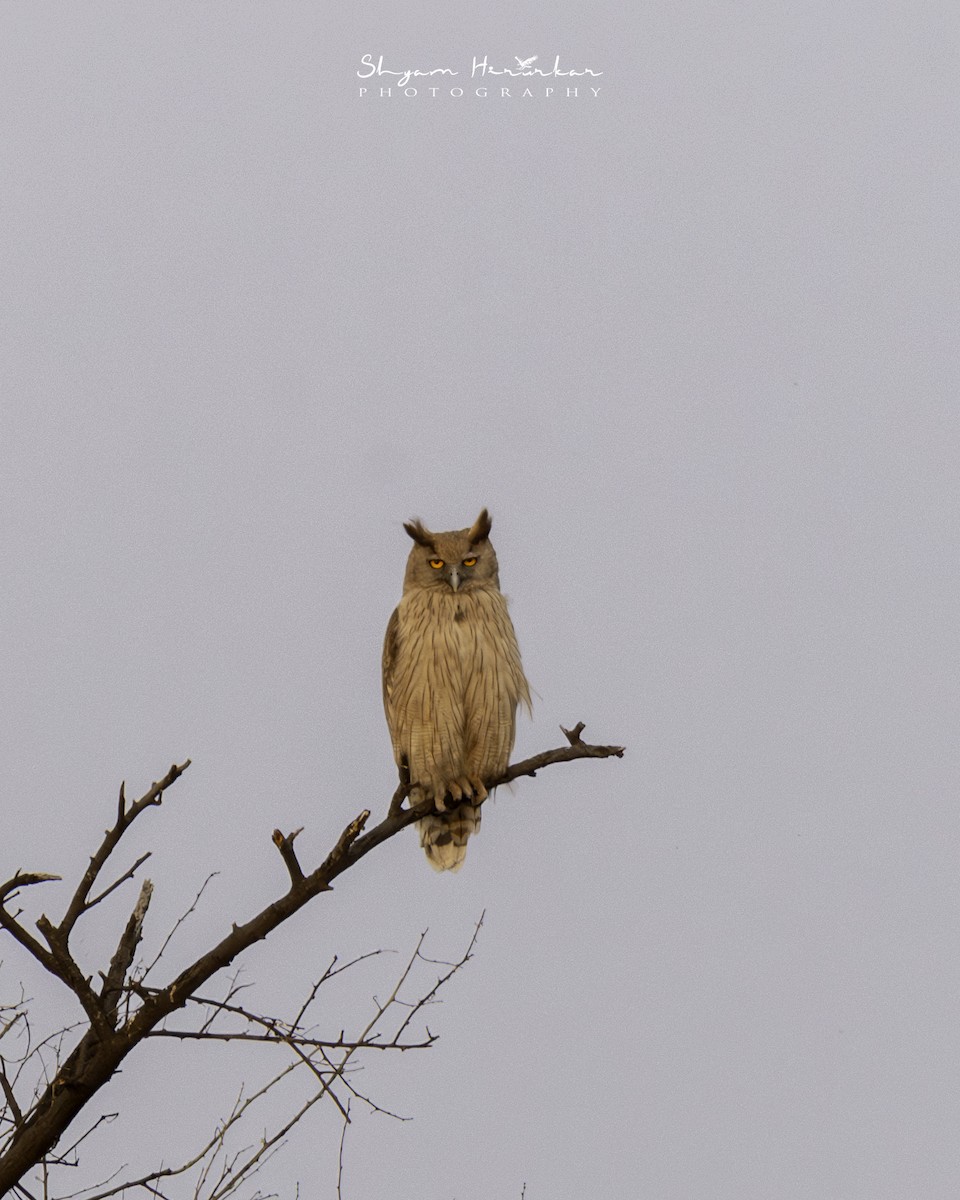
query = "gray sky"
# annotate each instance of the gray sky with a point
(693, 342)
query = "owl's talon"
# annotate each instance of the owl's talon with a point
(458, 791)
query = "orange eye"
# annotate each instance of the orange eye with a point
(469, 562)
(436, 563)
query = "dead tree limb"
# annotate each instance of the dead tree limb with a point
(38, 1126)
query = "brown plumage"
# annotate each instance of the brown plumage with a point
(452, 680)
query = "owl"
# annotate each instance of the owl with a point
(452, 681)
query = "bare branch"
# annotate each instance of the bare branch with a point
(236, 1114)
(64, 966)
(399, 818)
(338, 855)
(24, 879)
(10, 923)
(103, 1047)
(123, 957)
(576, 749)
(277, 1039)
(129, 874)
(125, 818)
(103, 1119)
(329, 973)
(8, 1095)
(284, 843)
(180, 920)
(454, 968)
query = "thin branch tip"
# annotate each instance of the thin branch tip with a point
(25, 879)
(575, 740)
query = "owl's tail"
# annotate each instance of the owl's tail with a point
(443, 836)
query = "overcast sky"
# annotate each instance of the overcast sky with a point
(693, 341)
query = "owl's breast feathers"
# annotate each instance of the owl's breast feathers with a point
(451, 655)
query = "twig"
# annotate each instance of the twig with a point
(343, 1134)
(454, 967)
(125, 818)
(199, 1035)
(117, 882)
(179, 921)
(576, 749)
(103, 1119)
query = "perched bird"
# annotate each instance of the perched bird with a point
(452, 680)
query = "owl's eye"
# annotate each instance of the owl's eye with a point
(469, 562)
(436, 563)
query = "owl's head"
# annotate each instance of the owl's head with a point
(461, 560)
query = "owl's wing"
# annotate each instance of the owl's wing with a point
(390, 646)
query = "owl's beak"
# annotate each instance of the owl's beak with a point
(454, 578)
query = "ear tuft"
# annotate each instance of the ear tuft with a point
(480, 530)
(420, 534)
